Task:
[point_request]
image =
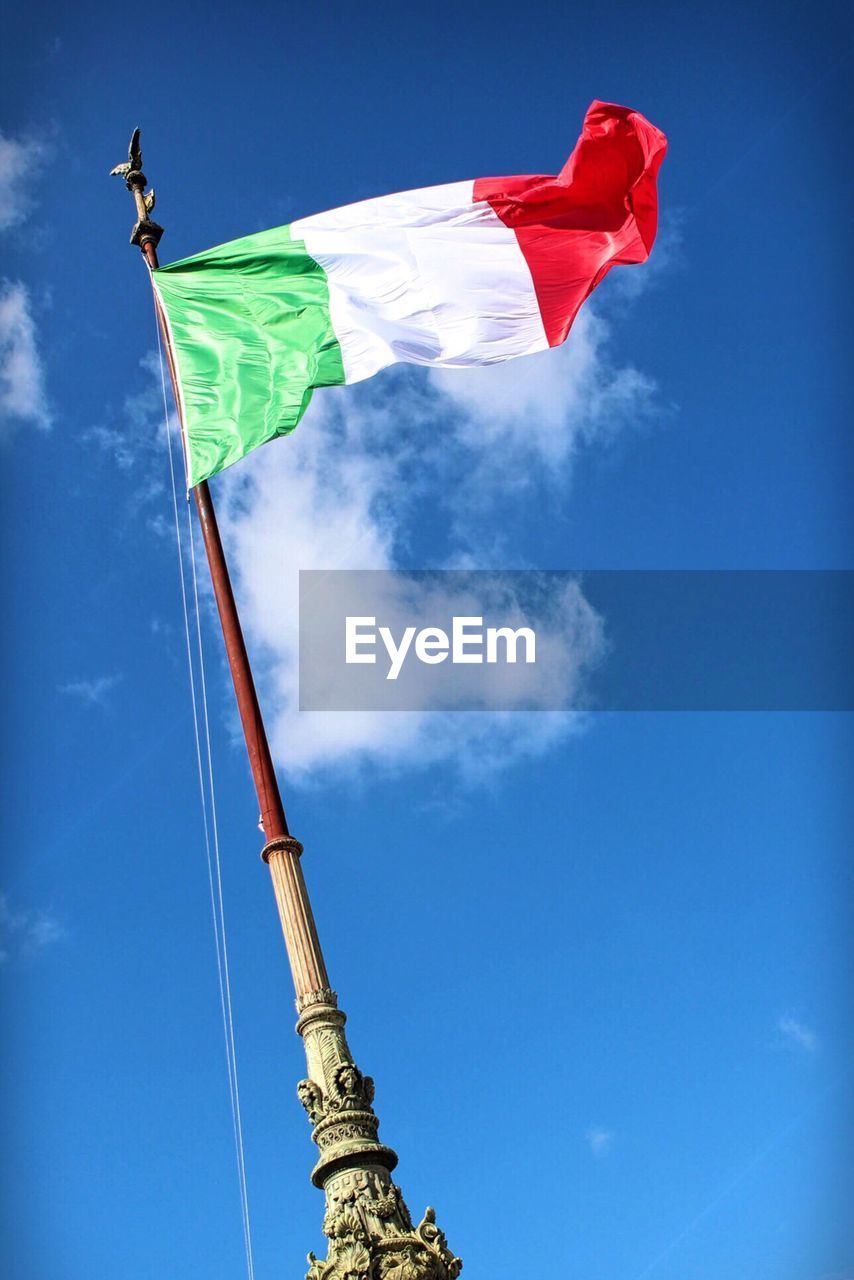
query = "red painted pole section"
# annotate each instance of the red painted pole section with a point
(257, 746)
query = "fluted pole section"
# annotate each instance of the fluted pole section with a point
(297, 919)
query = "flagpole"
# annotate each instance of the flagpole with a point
(369, 1228)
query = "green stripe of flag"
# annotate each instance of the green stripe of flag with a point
(252, 336)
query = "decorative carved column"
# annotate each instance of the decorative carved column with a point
(370, 1232)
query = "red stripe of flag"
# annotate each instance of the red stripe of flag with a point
(600, 210)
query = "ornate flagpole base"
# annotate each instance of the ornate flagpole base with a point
(367, 1223)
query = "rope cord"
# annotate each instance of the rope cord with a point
(207, 795)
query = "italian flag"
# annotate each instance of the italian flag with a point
(469, 273)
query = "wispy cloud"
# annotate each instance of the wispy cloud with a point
(23, 933)
(135, 438)
(136, 431)
(541, 409)
(600, 1141)
(95, 692)
(351, 489)
(667, 255)
(23, 399)
(796, 1034)
(21, 162)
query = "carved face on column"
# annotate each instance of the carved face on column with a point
(349, 1081)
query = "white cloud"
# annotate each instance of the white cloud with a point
(136, 435)
(21, 160)
(600, 1141)
(136, 439)
(667, 254)
(23, 399)
(95, 692)
(541, 408)
(350, 488)
(22, 390)
(23, 933)
(797, 1035)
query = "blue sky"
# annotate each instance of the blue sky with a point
(600, 972)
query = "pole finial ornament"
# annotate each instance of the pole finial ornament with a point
(145, 230)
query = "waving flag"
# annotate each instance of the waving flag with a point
(470, 273)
